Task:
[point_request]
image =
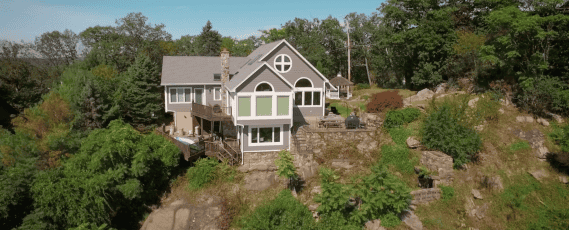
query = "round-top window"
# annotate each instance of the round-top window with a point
(283, 63)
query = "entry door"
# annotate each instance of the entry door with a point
(198, 96)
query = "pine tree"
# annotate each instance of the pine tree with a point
(209, 41)
(141, 101)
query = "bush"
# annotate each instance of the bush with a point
(362, 86)
(396, 118)
(448, 192)
(443, 132)
(385, 100)
(542, 94)
(285, 212)
(202, 173)
(561, 136)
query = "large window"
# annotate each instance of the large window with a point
(282, 105)
(266, 135)
(180, 95)
(244, 106)
(264, 105)
(283, 63)
(307, 98)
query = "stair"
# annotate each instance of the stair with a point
(299, 142)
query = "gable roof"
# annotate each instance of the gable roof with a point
(248, 71)
(298, 54)
(177, 70)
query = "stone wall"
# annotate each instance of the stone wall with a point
(229, 129)
(424, 196)
(364, 139)
(305, 164)
(438, 162)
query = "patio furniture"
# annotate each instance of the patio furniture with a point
(331, 120)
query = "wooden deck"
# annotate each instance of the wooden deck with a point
(228, 150)
(211, 113)
(189, 152)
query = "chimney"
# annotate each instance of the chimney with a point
(224, 78)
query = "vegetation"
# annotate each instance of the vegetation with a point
(397, 118)
(202, 173)
(284, 212)
(385, 100)
(447, 192)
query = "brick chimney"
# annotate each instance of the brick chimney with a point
(224, 78)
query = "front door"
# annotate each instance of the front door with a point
(198, 96)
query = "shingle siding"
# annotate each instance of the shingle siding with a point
(299, 67)
(264, 74)
(285, 145)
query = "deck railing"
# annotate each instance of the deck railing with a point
(211, 112)
(185, 148)
(228, 150)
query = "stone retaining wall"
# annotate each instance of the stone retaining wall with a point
(364, 140)
(305, 165)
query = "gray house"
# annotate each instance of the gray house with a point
(255, 100)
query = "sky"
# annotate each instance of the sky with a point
(27, 19)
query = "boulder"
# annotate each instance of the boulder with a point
(424, 94)
(476, 194)
(316, 190)
(313, 207)
(543, 121)
(374, 225)
(341, 163)
(413, 143)
(501, 111)
(539, 174)
(182, 215)
(472, 102)
(522, 119)
(557, 118)
(260, 180)
(564, 179)
(411, 220)
(495, 183)
(441, 88)
(541, 152)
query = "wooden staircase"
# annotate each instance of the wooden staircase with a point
(225, 151)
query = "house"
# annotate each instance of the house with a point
(255, 99)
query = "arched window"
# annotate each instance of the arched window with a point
(264, 87)
(283, 63)
(303, 83)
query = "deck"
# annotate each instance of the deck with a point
(211, 113)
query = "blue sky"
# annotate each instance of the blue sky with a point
(26, 19)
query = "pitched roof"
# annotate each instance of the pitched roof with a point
(178, 70)
(233, 84)
(340, 81)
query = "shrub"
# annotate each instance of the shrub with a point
(443, 132)
(202, 173)
(448, 192)
(542, 94)
(396, 118)
(362, 86)
(385, 100)
(561, 136)
(285, 212)
(398, 156)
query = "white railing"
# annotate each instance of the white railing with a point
(333, 95)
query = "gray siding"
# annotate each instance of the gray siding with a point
(263, 122)
(299, 113)
(299, 67)
(186, 107)
(209, 95)
(264, 74)
(285, 145)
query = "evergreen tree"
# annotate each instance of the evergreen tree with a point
(141, 100)
(209, 41)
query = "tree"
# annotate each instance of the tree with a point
(209, 41)
(187, 45)
(59, 48)
(286, 167)
(141, 101)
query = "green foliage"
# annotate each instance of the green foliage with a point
(15, 196)
(443, 132)
(225, 171)
(22, 83)
(285, 165)
(448, 192)
(92, 226)
(285, 212)
(115, 168)
(362, 86)
(202, 173)
(378, 195)
(398, 156)
(209, 41)
(342, 109)
(561, 136)
(141, 99)
(519, 145)
(396, 118)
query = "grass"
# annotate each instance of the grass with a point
(374, 89)
(343, 110)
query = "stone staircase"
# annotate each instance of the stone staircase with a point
(299, 140)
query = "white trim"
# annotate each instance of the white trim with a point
(166, 99)
(250, 136)
(203, 95)
(257, 69)
(298, 54)
(323, 100)
(268, 83)
(193, 83)
(303, 90)
(282, 63)
(274, 96)
(262, 151)
(169, 100)
(215, 99)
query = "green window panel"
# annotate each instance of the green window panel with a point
(264, 106)
(244, 106)
(282, 105)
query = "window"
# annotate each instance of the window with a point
(217, 94)
(282, 105)
(298, 98)
(283, 63)
(217, 77)
(266, 135)
(264, 106)
(316, 98)
(180, 95)
(307, 98)
(244, 106)
(198, 96)
(264, 87)
(305, 83)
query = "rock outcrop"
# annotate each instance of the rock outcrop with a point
(182, 215)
